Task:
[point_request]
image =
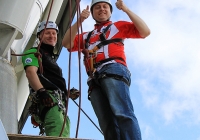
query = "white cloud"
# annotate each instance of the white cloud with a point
(148, 133)
(169, 57)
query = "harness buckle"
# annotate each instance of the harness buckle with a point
(96, 65)
(103, 76)
(60, 105)
(58, 97)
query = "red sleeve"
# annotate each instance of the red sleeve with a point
(78, 39)
(127, 29)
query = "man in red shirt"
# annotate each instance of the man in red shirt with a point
(105, 62)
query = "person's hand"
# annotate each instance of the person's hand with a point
(44, 97)
(121, 6)
(74, 93)
(85, 14)
(33, 108)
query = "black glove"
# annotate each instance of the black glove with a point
(44, 97)
(33, 108)
(74, 93)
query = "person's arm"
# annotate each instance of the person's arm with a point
(141, 26)
(69, 41)
(33, 79)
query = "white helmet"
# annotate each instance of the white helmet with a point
(50, 25)
(97, 1)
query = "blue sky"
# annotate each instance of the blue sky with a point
(165, 72)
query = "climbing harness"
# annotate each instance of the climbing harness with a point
(92, 54)
(93, 65)
(115, 76)
(97, 77)
(58, 95)
(39, 113)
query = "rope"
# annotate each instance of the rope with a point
(69, 72)
(88, 117)
(69, 75)
(79, 57)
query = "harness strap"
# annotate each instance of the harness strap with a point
(115, 76)
(106, 42)
(105, 75)
(58, 101)
(96, 65)
(102, 36)
(93, 52)
(87, 40)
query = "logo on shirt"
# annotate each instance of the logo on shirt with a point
(28, 60)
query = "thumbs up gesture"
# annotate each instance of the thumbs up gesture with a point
(121, 6)
(85, 13)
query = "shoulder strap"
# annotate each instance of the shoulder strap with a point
(102, 36)
(106, 42)
(87, 39)
(106, 29)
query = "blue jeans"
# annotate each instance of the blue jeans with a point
(112, 105)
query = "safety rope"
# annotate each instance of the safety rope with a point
(88, 117)
(79, 57)
(69, 75)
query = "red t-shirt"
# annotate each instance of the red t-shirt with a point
(119, 29)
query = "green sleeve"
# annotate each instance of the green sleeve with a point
(30, 59)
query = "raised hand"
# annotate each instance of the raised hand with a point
(121, 6)
(85, 13)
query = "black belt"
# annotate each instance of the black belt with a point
(96, 65)
(115, 76)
